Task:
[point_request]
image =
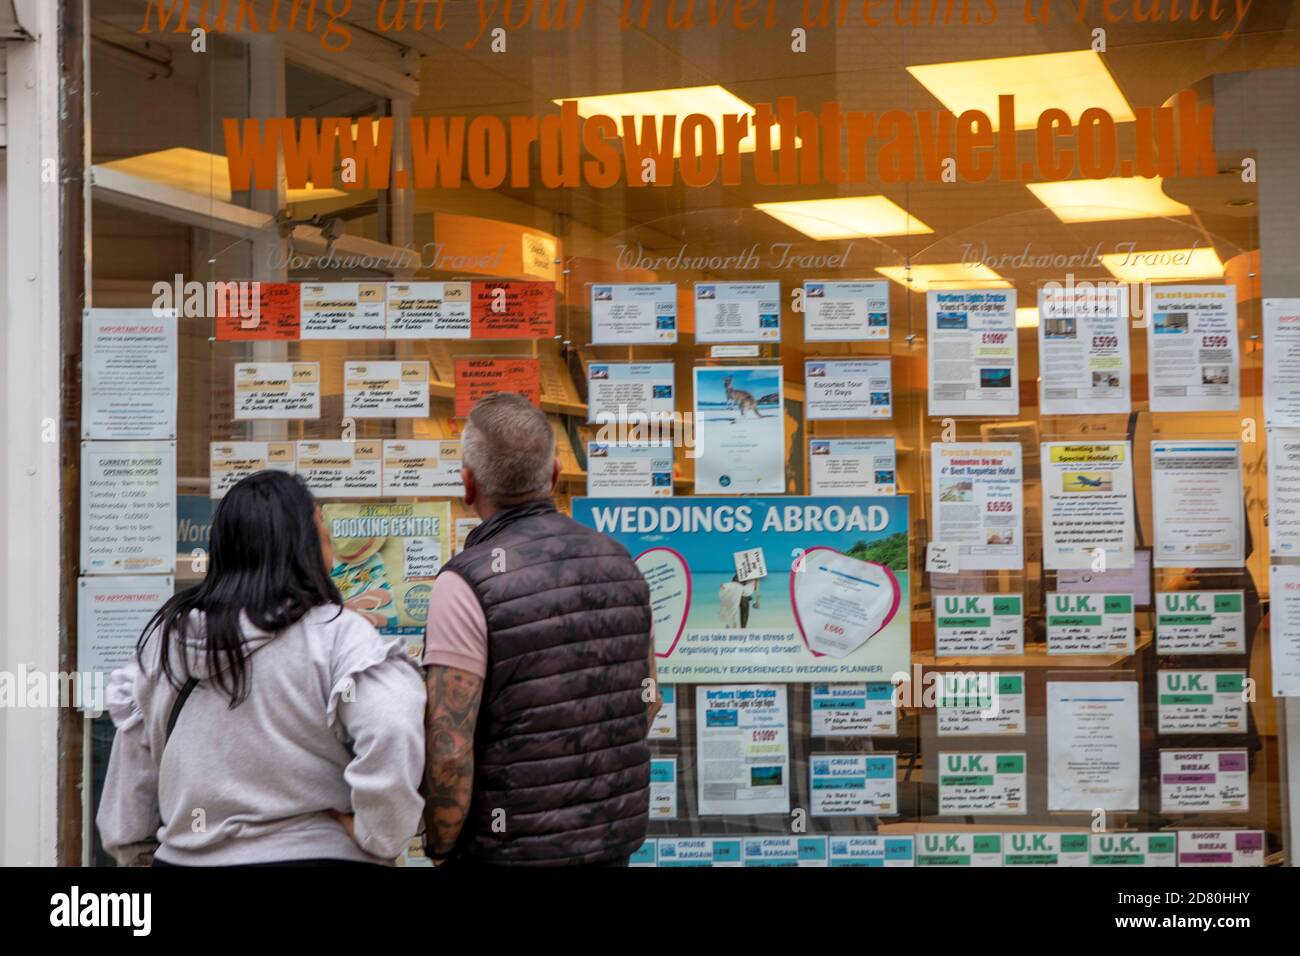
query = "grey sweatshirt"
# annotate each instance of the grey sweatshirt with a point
(334, 720)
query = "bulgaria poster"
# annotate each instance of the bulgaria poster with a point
(788, 589)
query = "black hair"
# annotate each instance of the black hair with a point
(264, 560)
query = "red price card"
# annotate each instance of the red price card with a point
(277, 317)
(512, 310)
(477, 377)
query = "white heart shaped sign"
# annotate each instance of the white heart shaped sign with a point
(841, 602)
(670, 595)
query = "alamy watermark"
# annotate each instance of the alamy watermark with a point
(977, 690)
(33, 689)
(209, 300)
(629, 427)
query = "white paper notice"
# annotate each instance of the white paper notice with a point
(695, 852)
(848, 389)
(128, 507)
(277, 390)
(422, 558)
(643, 313)
(1045, 848)
(958, 849)
(424, 468)
(111, 614)
(1131, 849)
(1200, 622)
(1089, 623)
(973, 363)
(230, 462)
(855, 311)
(1204, 781)
(341, 469)
(742, 743)
(428, 310)
(1282, 363)
(978, 503)
(863, 849)
(1220, 847)
(665, 722)
(1087, 505)
(663, 788)
(1135, 580)
(629, 391)
(1092, 745)
(1199, 520)
(629, 471)
(853, 710)
(1083, 355)
(1284, 627)
(737, 312)
(461, 528)
(980, 703)
(943, 557)
(853, 466)
(751, 565)
(853, 784)
(1192, 350)
(698, 851)
(794, 851)
(733, 351)
(978, 625)
(129, 371)
(979, 784)
(342, 310)
(739, 430)
(386, 389)
(1283, 491)
(1201, 702)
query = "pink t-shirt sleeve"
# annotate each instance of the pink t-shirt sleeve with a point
(457, 632)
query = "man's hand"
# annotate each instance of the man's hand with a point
(450, 719)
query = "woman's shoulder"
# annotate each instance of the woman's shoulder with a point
(335, 617)
(353, 647)
(341, 625)
(349, 637)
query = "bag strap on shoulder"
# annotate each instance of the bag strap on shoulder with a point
(181, 698)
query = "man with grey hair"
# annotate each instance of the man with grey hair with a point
(541, 670)
(508, 451)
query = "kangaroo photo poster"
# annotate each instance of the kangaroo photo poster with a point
(739, 430)
(792, 589)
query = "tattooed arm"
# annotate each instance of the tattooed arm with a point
(450, 717)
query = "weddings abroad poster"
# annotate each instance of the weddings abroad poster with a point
(789, 589)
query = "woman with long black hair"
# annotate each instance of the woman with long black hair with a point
(260, 722)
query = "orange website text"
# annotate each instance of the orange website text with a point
(789, 146)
